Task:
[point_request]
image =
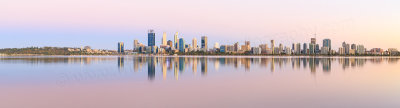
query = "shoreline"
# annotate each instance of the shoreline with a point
(228, 56)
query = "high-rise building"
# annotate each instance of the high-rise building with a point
(264, 48)
(317, 50)
(353, 46)
(181, 45)
(273, 46)
(135, 44)
(204, 43)
(151, 39)
(325, 50)
(344, 44)
(223, 48)
(314, 41)
(305, 48)
(120, 47)
(164, 39)
(327, 43)
(347, 49)
(236, 47)
(247, 43)
(194, 43)
(176, 40)
(298, 48)
(293, 45)
(312, 48)
(360, 49)
(281, 48)
(216, 45)
(170, 43)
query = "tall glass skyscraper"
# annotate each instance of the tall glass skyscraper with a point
(305, 48)
(151, 38)
(181, 45)
(327, 43)
(204, 43)
(120, 47)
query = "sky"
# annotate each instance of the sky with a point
(103, 23)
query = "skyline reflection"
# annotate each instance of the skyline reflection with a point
(189, 65)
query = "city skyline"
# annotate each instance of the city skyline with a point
(49, 23)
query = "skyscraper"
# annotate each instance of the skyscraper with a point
(280, 48)
(120, 47)
(176, 41)
(204, 43)
(164, 39)
(314, 41)
(151, 38)
(298, 50)
(305, 48)
(181, 45)
(353, 46)
(236, 47)
(273, 46)
(327, 43)
(312, 48)
(247, 43)
(216, 45)
(170, 44)
(194, 43)
(347, 49)
(135, 44)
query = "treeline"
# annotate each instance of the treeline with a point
(40, 51)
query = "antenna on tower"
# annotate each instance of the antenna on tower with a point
(315, 32)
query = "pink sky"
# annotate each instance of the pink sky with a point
(369, 22)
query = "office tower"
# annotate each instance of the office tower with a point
(298, 50)
(176, 41)
(353, 46)
(325, 50)
(312, 48)
(247, 43)
(360, 49)
(236, 47)
(273, 46)
(223, 48)
(204, 43)
(181, 45)
(216, 45)
(280, 48)
(342, 51)
(317, 49)
(293, 45)
(264, 48)
(347, 49)
(120, 47)
(170, 44)
(314, 41)
(327, 43)
(344, 44)
(305, 48)
(194, 43)
(151, 38)
(164, 39)
(135, 44)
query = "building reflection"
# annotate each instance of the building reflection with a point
(166, 66)
(151, 68)
(178, 64)
(120, 62)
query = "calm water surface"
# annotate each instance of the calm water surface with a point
(206, 82)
